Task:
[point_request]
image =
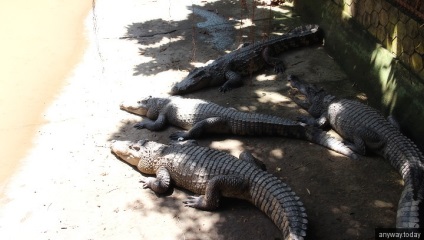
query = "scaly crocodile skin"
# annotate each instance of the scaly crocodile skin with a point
(367, 129)
(227, 71)
(199, 117)
(213, 174)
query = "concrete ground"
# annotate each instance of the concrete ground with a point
(69, 185)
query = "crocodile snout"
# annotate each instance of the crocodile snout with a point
(123, 150)
(134, 107)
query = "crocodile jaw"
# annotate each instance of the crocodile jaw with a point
(134, 107)
(197, 79)
(126, 151)
(300, 85)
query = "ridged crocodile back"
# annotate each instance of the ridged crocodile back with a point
(186, 112)
(347, 116)
(192, 167)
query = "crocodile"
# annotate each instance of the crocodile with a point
(366, 129)
(200, 116)
(214, 174)
(227, 71)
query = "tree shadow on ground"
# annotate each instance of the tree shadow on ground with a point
(174, 45)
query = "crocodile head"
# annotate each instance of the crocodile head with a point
(317, 98)
(309, 90)
(141, 153)
(147, 106)
(197, 79)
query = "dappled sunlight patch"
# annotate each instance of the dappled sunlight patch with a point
(200, 64)
(277, 153)
(248, 108)
(382, 66)
(382, 204)
(243, 23)
(271, 97)
(264, 77)
(233, 146)
(164, 41)
(362, 97)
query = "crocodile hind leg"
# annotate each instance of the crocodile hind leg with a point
(160, 183)
(230, 184)
(248, 157)
(214, 124)
(364, 138)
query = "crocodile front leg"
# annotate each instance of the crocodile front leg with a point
(160, 183)
(321, 122)
(156, 125)
(214, 124)
(234, 80)
(230, 184)
(277, 63)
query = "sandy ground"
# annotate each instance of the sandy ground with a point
(38, 52)
(69, 185)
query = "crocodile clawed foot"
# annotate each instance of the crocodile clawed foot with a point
(178, 136)
(147, 182)
(224, 89)
(194, 202)
(302, 119)
(279, 69)
(139, 125)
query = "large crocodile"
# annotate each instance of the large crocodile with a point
(200, 116)
(367, 129)
(227, 71)
(213, 174)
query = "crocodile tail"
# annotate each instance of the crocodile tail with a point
(318, 136)
(405, 157)
(279, 203)
(414, 178)
(410, 213)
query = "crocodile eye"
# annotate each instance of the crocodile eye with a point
(134, 147)
(144, 101)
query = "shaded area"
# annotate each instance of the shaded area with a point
(376, 45)
(183, 42)
(342, 197)
(336, 191)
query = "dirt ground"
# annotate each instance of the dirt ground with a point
(69, 185)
